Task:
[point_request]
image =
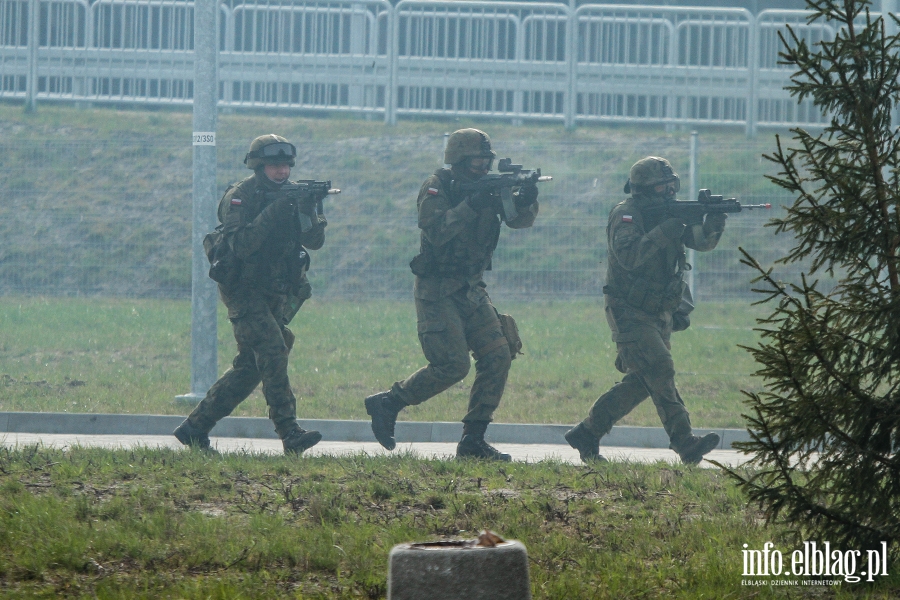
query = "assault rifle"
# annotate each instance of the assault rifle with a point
(510, 176)
(305, 191)
(692, 211)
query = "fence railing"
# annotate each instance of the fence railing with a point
(516, 60)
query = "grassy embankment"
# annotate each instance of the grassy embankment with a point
(98, 201)
(133, 356)
(148, 524)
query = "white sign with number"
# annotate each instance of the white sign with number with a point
(204, 138)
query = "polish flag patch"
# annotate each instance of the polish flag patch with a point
(626, 218)
(235, 201)
(432, 191)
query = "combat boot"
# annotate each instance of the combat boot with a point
(692, 448)
(587, 444)
(299, 440)
(383, 407)
(192, 436)
(472, 444)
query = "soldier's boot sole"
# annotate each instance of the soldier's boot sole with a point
(383, 419)
(194, 438)
(587, 444)
(300, 441)
(692, 451)
(472, 447)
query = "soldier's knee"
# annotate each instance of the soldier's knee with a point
(453, 370)
(498, 360)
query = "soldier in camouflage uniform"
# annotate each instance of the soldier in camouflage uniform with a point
(454, 313)
(263, 288)
(644, 287)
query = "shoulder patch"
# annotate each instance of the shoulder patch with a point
(625, 218)
(235, 201)
(432, 191)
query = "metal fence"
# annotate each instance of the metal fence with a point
(84, 216)
(515, 60)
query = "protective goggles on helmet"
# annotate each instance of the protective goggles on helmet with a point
(675, 182)
(284, 150)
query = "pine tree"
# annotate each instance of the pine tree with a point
(826, 428)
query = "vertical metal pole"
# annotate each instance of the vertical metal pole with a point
(390, 94)
(204, 352)
(889, 7)
(34, 31)
(753, 74)
(446, 139)
(572, 63)
(692, 190)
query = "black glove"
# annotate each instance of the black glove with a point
(527, 195)
(672, 228)
(715, 223)
(480, 201)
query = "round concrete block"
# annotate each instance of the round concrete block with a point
(458, 571)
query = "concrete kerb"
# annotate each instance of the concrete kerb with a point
(337, 430)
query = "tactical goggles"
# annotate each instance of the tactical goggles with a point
(277, 150)
(673, 183)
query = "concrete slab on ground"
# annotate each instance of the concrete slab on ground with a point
(336, 430)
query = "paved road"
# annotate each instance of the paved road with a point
(519, 452)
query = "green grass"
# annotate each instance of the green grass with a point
(147, 524)
(133, 356)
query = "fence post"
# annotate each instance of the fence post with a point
(889, 7)
(204, 351)
(753, 65)
(34, 31)
(572, 62)
(393, 50)
(692, 190)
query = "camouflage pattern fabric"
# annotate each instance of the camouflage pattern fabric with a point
(454, 312)
(448, 329)
(644, 287)
(264, 343)
(266, 237)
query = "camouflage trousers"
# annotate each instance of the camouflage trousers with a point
(448, 329)
(264, 343)
(644, 355)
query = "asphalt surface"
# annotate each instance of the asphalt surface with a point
(519, 452)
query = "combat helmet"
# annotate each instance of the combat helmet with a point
(270, 149)
(468, 143)
(649, 172)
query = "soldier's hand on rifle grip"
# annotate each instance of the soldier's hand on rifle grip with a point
(672, 228)
(480, 201)
(715, 223)
(527, 195)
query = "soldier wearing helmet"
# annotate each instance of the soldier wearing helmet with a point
(455, 315)
(644, 289)
(263, 289)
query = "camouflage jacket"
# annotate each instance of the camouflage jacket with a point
(265, 235)
(457, 242)
(645, 267)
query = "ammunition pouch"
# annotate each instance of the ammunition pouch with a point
(422, 267)
(511, 333)
(650, 298)
(681, 318)
(224, 266)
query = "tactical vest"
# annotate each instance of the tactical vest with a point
(469, 253)
(658, 286)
